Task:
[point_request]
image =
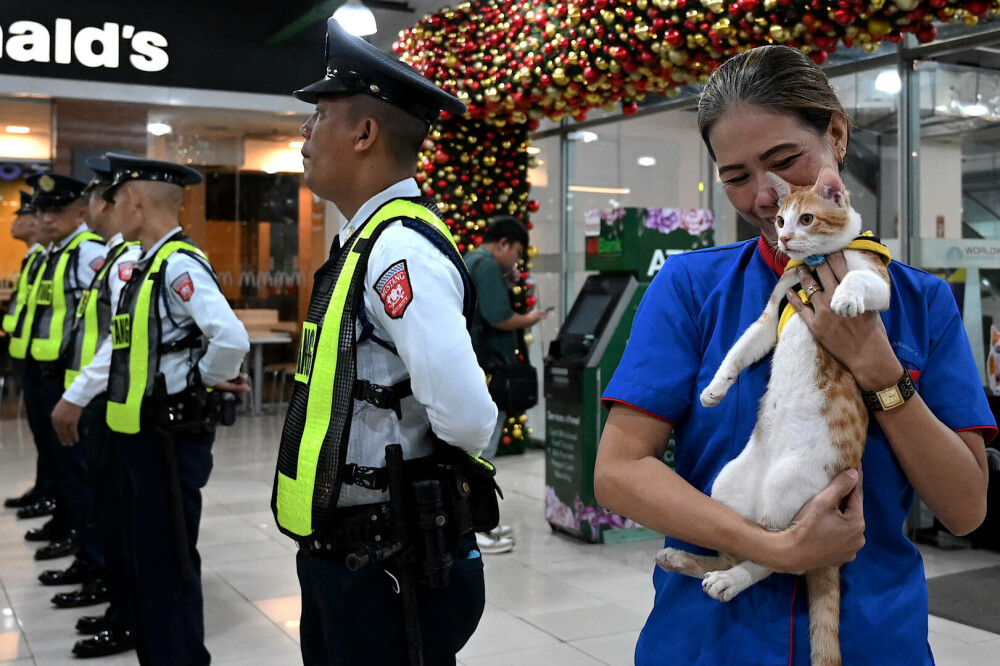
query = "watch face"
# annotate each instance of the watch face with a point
(890, 397)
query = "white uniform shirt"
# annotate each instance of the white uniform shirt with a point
(190, 296)
(93, 378)
(90, 259)
(450, 395)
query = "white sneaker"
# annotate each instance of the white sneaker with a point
(502, 532)
(491, 546)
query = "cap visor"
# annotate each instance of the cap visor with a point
(311, 93)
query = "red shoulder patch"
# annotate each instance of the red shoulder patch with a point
(125, 270)
(98, 264)
(183, 286)
(394, 289)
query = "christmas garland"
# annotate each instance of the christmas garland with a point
(516, 62)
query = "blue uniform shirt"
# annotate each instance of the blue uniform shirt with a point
(693, 312)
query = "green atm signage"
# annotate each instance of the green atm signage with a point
(639, 240)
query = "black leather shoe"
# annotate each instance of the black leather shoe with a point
(104, 644)
(50, 531)
(43, 508)
(93, 624)
(26, 499)
(61, 548)
(74, 575)
(94, 592)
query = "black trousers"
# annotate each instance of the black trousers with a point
(69, 465)
(31, 384)
(351, 618)
(166, 609)
(108, 519)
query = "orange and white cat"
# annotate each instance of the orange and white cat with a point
(812, 422)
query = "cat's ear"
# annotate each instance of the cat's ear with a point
(831, 187)
(780, 186)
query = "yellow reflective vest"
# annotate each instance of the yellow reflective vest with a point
(314, 441)
(92, 321)
(135, 339)
(50, 312)
(16, 306)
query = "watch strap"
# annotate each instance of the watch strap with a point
(891, 396)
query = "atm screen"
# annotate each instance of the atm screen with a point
(586, 315)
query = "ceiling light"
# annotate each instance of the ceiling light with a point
(599, 190)
(159, 129)
(888, 82)
(647, 161)
(355, 18)
(584, 136)
(18, 129)
(296, 144)
(975, 110)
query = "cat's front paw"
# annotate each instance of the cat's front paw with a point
(715, 392)
(847, 302)
(721, 585)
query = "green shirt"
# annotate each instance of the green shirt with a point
(492, 345)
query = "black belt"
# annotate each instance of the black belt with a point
(352, 528)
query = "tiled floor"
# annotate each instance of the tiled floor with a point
(553, 601)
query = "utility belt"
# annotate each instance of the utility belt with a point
(444, 496)
(193, 411)
(52, 369)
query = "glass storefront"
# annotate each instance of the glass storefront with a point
(930, 190)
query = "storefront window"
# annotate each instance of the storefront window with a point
(653, 161)
(253, 214)
(25, 148)
(958, 236)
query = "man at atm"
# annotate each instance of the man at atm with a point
(495, 326)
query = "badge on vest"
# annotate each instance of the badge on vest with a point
(394, 289)
(125, 271)
(97, 264)
(45, 293)
(307, 351)
(184, 287)
(121, 331)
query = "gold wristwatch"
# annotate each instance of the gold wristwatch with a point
(890, 397)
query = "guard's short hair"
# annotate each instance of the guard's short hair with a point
(505, 227)
(402, 132)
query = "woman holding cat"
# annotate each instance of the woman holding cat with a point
(772, 109)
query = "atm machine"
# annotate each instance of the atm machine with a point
(627, 246)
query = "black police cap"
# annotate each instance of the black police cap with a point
(101, 167)
(53, 190)
(27, 204)
(355, 66)
(127, 168)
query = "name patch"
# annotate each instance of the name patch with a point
(307, 352)
(121, 331)
(98, 264)
(45, 293)
(394, 289)
(184, 287)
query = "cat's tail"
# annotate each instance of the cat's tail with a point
(823, 586)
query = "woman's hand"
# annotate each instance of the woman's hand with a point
(860, 343)
(828, 531)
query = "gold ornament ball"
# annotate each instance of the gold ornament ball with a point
(531, 252)
(528, 338)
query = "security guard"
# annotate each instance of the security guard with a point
(404, 373)
(173, 337)
(80, 416)
(74, 256)
(25, 228)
